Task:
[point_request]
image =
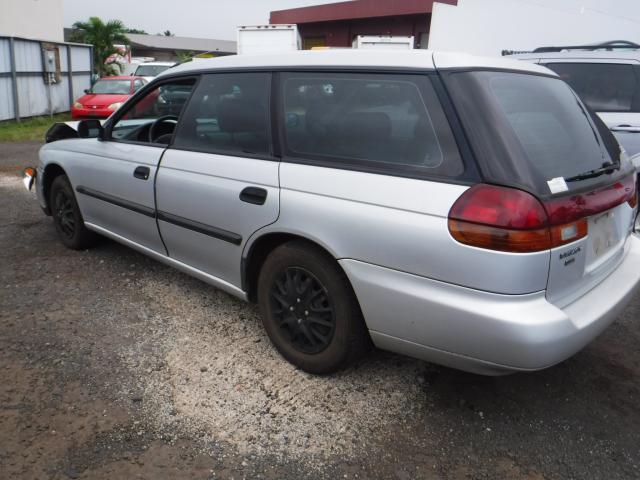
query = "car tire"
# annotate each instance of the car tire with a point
(309, 309)
(67, 218)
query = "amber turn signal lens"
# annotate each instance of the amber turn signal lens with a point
(500, 239)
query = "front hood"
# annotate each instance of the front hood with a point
(92, 99)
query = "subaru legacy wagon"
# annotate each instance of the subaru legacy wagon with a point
(466, 211)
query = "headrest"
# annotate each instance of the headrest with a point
(364, 126)
(237, 115)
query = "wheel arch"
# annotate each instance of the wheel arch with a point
(259, 248)
(51, 171)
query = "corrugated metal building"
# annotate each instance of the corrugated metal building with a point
(24, 81)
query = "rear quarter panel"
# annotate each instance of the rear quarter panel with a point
(398, 223)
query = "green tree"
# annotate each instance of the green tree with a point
(135, 30)
(184, 56)
(103, 36)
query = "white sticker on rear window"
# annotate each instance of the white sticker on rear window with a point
(557, 185)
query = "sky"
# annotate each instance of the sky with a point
(189, 18)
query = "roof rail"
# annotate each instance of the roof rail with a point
(612, 45)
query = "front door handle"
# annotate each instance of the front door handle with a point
(142, 173)
(254, 195)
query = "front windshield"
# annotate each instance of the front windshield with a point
(151, 70)
(114, 87)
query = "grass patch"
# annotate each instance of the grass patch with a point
(30, 128)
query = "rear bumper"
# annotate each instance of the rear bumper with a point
(482, 332)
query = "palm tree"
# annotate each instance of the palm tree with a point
(103, 36)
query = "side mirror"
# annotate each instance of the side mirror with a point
(87, 90)
(60, 131)
(90, 129)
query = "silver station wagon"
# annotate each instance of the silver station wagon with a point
(466, 211)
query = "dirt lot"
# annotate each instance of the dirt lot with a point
(115, 366)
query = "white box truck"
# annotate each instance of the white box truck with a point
(268, 38)
(385, 42)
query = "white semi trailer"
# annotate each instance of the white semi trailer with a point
(268, 38)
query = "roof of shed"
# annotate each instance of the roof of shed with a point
(163, 42)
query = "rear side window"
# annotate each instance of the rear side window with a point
(528, 130)
(228, 113)
(382, 122)
(603, 87)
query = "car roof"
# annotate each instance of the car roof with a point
(382, 59)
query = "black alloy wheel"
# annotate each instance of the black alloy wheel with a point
(64, 214)
(309, 308)
(67, 217)
(303, 310)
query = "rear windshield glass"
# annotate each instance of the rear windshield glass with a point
(151, 70)
(604, 87)
(114, 87)
(528, 129)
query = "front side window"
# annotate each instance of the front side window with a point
(392, 122)
(603, 87)
(229, 113)
(153, 118)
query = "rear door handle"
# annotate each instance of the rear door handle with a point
(254, 195)
(142, 173)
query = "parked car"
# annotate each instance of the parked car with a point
(106, 96)
(607, 78)
(462, 210)
(150, 70)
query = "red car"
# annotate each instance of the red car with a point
(106, 96)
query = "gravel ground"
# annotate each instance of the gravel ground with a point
(115, 366)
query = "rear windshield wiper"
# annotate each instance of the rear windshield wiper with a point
(607, 167)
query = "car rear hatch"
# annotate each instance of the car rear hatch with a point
(530, 132)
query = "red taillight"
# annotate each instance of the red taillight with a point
(500, 207)
(569, 209)
(508, 220)
(499, 218)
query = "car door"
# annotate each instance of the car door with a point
(114, 177)
(217, 183)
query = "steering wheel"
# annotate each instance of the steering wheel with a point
(157, 122)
